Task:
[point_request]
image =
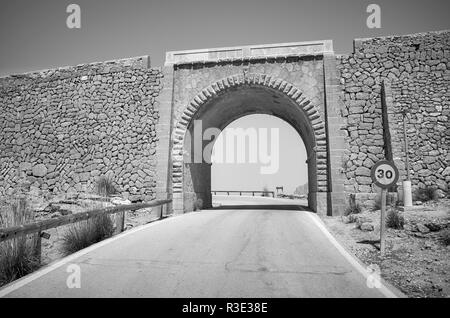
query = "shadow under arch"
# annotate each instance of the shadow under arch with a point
(286, 207)
(228, 100)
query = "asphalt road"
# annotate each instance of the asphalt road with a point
(214, 253)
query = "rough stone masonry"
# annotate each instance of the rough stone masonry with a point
(415, 69)
(65, 128)
(62, 129)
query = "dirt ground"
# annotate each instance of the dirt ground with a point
(417, 261)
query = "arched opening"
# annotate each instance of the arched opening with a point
(259, 153)
(219, 106)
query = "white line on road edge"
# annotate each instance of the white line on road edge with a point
(9, 288)
(351, 259)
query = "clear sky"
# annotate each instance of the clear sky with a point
(34, 36)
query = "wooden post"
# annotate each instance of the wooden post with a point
(37, 247)
(120, 222)
(124, 214)
(383, 222)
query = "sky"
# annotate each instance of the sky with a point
(34, 35)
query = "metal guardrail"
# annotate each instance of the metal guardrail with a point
(40, 226)
(15, 231)
(272, 193)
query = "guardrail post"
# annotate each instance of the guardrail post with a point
(120, 221)
(124, 214)
(161, 211)
(37, 247)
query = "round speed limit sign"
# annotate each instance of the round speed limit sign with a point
(384, 174)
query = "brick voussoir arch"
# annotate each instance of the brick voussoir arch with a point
(216, 88)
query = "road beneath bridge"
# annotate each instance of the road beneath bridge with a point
(247, 248)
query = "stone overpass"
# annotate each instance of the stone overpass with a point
(61, 129)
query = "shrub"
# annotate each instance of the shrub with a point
(391, 200)
(425, 194)
(81, 235)
(353, 209)
(17, 256)
(105, 187)
(198, 204)
(394, 219)
(377, 202)
(445, 237)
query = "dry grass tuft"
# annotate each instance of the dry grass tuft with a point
(17, 256)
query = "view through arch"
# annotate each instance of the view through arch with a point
(260, 153)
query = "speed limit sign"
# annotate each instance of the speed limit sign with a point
(384, 174)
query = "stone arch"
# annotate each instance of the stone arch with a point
(318, 146)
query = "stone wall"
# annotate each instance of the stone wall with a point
(415, 69)
(63, 129)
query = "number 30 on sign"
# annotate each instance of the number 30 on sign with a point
(384, 174)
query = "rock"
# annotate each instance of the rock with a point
(388, 64)
(446, 171)
(120, 201)
(410, 227)
(433, 226)
(366, 226)
(39, 170)
(363, 171)
(369, 81)
(364, 180)
(360, 219)
(64, 212)
(440, 193)
(422, 228)
(428, 245)
(396, 247)
(25, 166)
(51, 208)
(345, 219)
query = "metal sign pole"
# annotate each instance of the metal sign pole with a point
(383, 223)
(384, 174)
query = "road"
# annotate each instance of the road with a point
(232, 252)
